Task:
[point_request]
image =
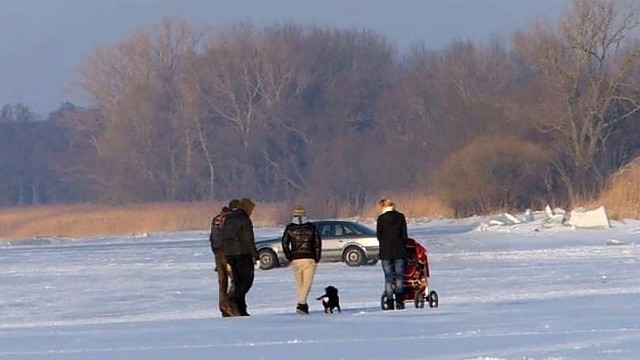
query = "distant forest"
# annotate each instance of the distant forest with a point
(339, 117)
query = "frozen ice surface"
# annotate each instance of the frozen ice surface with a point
(523, 294)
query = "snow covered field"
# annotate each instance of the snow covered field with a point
(517, 294)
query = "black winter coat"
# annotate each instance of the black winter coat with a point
(237, 235)
(302, 241)
(391, 230)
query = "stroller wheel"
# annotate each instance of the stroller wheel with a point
(418, 299)
(383, 301)
(432, 298)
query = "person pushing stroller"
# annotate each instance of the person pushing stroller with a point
(391, 231)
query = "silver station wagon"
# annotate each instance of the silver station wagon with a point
(346, 241)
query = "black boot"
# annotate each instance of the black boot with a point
(302, 309)
(390, 304)
(399, 302)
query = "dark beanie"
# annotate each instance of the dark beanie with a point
(233, 204)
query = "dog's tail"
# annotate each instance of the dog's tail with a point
(321, 297)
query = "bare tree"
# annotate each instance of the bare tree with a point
(137, 85)
(582, 89)
(442, 101)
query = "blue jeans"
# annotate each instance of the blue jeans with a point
(393, 267)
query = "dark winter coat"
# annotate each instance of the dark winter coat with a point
(237, 235)
(302, 241)
(391, 230)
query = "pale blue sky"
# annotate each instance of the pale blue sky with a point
(43, 41)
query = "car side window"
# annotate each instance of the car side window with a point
(326, 230)
(348, 231)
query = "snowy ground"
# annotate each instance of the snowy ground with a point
(516, 294)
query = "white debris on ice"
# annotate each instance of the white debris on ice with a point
(549, 218)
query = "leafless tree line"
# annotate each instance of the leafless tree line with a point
(339, 117)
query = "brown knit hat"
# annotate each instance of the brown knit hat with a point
(299, 211)
(246, 205)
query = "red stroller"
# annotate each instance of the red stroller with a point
(416, 278)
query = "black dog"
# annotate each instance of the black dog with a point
(330, 299)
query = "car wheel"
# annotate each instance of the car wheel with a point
(268, 259)
(354, 256)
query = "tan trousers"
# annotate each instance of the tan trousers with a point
(224, 288)
(303, 272)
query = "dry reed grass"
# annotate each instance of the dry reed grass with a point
(92, 220)
(621, 197)
(415, 205)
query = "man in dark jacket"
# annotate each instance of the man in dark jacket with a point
(240, 251)
(302, 246)
(215, 238)
(391, 231)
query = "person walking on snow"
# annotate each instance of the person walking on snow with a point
(391, 231)
(302, 246)
(241, 254)
(215, 238)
